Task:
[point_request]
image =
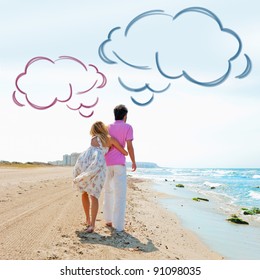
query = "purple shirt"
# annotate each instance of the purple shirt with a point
(122, 132)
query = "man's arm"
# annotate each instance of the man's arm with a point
(131, 153)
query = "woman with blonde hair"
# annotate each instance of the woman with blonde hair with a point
(90, 170)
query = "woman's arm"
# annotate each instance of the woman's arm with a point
(115, 143)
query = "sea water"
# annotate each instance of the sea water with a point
(228, 191)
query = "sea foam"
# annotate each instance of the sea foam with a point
(210, 184)
(255, 195)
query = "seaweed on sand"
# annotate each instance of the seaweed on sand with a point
(235, 219)
(199, 199)
(253, 211)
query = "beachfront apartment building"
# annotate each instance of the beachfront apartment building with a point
(67, 160)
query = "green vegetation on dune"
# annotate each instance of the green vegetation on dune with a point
(17, 164)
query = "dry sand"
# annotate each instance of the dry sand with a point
(41, 217)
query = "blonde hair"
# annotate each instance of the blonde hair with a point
(100, 129)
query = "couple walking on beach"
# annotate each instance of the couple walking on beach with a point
(102, 165)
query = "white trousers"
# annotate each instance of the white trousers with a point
(115, 196)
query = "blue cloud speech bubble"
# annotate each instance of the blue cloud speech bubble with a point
(148, 43)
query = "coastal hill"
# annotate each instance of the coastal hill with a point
(143, 164)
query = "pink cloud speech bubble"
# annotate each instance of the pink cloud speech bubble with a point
(45, 82)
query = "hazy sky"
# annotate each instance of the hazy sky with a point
(190, 59)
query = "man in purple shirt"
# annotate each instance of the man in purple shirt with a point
(116, 185)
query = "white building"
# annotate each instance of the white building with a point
(73, 158)
(66, 160)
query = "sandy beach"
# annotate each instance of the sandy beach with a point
(41, 218)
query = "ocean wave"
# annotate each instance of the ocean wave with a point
(225, 172)
(255, 195)
(210, 184)
(256, 177)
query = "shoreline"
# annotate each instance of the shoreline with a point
(42, 219)
(207, 220)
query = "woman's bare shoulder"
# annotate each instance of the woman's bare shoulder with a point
(110, 140)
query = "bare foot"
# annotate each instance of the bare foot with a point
(90, 229)
(109, 224)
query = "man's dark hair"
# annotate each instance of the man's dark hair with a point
(120, 111)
